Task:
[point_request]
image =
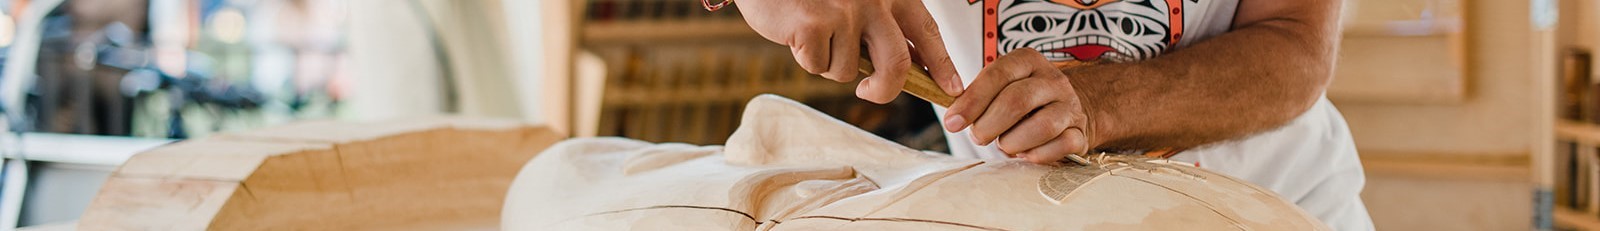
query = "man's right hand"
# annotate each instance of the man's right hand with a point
(826, 35)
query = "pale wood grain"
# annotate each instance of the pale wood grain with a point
(406, 174)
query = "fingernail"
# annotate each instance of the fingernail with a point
(954, 123)
(953, 87)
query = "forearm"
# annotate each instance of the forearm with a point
(1252, 79)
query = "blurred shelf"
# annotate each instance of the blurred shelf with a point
(1404, 28)
(1584, 133)
(1478, 167)
(624, 32)
(83, 149)
(639, 96)
(1574, 219)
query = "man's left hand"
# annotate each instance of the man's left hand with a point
(1026, 103)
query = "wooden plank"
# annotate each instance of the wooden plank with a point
(1574, 219)
(1583, 133)
(1400, 70)
(1448, 166)
(627, 32)
(140, 203)
(1403, 52)
(453, 174)
(330, 131)
(638, 96)
(1418, 203)
(210, 159)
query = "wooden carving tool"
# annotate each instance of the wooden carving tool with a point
(918, 83)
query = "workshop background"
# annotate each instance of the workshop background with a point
(1469, 115)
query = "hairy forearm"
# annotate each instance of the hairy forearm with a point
(1252, 79)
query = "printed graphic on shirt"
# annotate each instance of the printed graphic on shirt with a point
(1083, 30)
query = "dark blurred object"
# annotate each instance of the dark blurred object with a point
(648, 10)
(103, 71)
(76, 91)
(676, 73)
(1577, 102)
(1577, 165)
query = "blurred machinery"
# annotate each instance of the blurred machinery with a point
(88, 83)
(176, 69)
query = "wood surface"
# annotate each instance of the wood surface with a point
(918, 83)
(1403, 52)
(789, 167)
(431, 173)
(1568, 218)
(1508, 85)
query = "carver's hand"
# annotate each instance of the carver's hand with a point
(826, 35)
(1022, 100)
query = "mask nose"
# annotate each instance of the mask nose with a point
(1088, 20)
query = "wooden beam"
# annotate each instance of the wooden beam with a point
(438, 173)
(1574, 219)
(1501, 167)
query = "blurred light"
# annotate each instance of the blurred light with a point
(169, 28)
(227, 25)
(171, 60)
(7, 29)
(84, 56)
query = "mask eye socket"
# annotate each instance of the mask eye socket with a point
(1130, 27)
(1037, 24)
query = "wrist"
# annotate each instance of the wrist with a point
(1101, 121)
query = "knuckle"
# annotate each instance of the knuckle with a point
(811, 22)
(899, 62)
(984, 135)
(805, 52)
(942, 59)
(1007, 147)
(1071, 144)
(1014, 94)
(1070, 147)
(1059, 123)
(1014, 106)
(814, 27)
(994, 73)
(931, 28)
(1025, 51)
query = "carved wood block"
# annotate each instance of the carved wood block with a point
(431, 173)
(789, 167)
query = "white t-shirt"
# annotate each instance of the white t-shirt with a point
(1311, 161)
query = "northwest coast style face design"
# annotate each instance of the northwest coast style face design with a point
(1083, 30)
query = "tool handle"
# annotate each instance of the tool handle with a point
(918, 83)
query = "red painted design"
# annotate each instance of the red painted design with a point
(990, 28)
(991, 23)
